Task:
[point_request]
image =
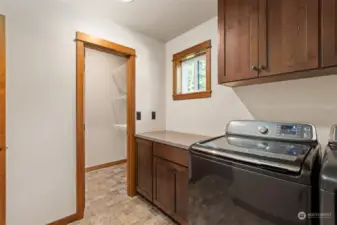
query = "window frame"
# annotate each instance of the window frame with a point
(178, 58)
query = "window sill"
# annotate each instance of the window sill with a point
(194, 95)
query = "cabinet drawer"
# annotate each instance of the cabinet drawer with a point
(170, 153)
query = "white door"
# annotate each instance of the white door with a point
(105, 107)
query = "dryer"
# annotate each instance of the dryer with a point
(328, 181)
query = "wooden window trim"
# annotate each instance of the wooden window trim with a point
(202, 48)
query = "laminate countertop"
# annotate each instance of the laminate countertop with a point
(176, 139)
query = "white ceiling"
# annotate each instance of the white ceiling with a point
(160, 19)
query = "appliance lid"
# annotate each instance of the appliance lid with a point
(273, 130)
(287, 156)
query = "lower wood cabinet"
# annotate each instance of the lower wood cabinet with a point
(168, 177)
(170, 189)
(144, 168)
(181, 195)
(163, 185)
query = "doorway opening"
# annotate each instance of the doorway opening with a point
(2, 121)
(105, 110)
(123, 81)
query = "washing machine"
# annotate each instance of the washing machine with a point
(257, 173)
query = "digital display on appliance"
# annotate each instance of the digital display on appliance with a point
(288, 129)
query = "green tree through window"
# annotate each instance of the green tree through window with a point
(202, 74)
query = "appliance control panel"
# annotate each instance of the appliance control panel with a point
(272, 130)
(333, 135)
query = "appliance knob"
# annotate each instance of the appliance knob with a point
(263, 129)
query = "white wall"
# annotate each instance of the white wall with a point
(201, 116)
(2, 6)
(310, 100)
(307, 100)
(41, 103)
(105, 81)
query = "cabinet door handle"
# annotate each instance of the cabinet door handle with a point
(255, 68)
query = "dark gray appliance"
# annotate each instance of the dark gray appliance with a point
(328, 182)
(258, 173)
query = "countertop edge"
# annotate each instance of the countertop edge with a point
(184, 146)
(163, 142)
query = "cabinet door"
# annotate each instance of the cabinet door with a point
(238, 33)
(329, 33)
(144, 168)
(181, 197)
(288, 36)
(163, 185)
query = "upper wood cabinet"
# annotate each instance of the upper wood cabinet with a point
(329, 33)
(271, 40)
(238, 48)
(288, 36)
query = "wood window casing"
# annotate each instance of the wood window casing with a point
(178, 58)
(3, 147)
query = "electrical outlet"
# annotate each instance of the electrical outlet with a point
(153, 115)
(139, 115)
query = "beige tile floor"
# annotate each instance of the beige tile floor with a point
(108, 204)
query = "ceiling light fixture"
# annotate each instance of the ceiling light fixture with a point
(127, 1)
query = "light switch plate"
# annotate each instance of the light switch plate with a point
(139, 115)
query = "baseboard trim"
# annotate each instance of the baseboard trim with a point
(66, 220)
(105, 165)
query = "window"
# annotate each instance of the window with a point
(192, 72)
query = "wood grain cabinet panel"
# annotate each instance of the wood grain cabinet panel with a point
(288, 36)
(162, 177)
(329, 33)
(263, 41)
(181, 196)
(238, 33)
(144, 168)
(164, 185)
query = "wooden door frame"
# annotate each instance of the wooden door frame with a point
(3, 120)
(84, 40)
